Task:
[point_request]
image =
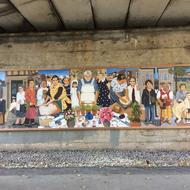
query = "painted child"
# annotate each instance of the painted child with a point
(74, 97)
(149, 101)
(165, 98)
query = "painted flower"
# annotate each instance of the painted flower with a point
(69, 114)
(105, 113)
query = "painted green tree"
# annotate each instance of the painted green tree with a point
(177, 72)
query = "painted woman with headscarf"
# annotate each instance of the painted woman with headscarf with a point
(58, 95)
(87, 90)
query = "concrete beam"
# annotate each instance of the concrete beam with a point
(75, 14)
(136, 48)
(145, 12)
(177, 14)
(110, 14)
(14, 22)
(4, 5)
(11, 20)
(39, 13)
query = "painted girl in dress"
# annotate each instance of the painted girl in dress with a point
(74, 97)
(103, 98)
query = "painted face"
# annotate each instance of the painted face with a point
(20, 89)
(66, 81)
(132, 82)
(149, 85)
(44, 84)
(183, 88)
(166, 87)
(74, 85)
(55, 81)
(100, 76)
(110, 78)
(31, 84)
(88, 77)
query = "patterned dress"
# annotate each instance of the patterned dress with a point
(30, 98)
(103, 99)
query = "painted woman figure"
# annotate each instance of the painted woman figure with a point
(58, 95)
(87, 89)
(103, 98)
(119, 94)
(179, 104)
(30, 98)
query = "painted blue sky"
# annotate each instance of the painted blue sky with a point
(54, 72)
(112, 70)
(2, 75)
(188, 70)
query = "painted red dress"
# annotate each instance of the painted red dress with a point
(30, 99)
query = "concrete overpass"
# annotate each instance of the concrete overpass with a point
(67, 15)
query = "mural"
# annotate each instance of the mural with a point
(110, 97)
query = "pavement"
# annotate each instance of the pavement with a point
(95, 178)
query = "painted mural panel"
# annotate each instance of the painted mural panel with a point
(110, 97)
(2, 97)
(2, 84)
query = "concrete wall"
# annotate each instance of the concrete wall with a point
(80, 139)
(95, 49)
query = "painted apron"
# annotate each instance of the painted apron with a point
(87, 92)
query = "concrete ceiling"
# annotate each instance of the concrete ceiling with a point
(65, 15)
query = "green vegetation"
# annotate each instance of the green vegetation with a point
(135, 112)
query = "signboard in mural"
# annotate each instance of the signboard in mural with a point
(110, 97)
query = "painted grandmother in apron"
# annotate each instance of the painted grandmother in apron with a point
(87, 90)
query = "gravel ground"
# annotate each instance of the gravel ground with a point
(94, 158)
